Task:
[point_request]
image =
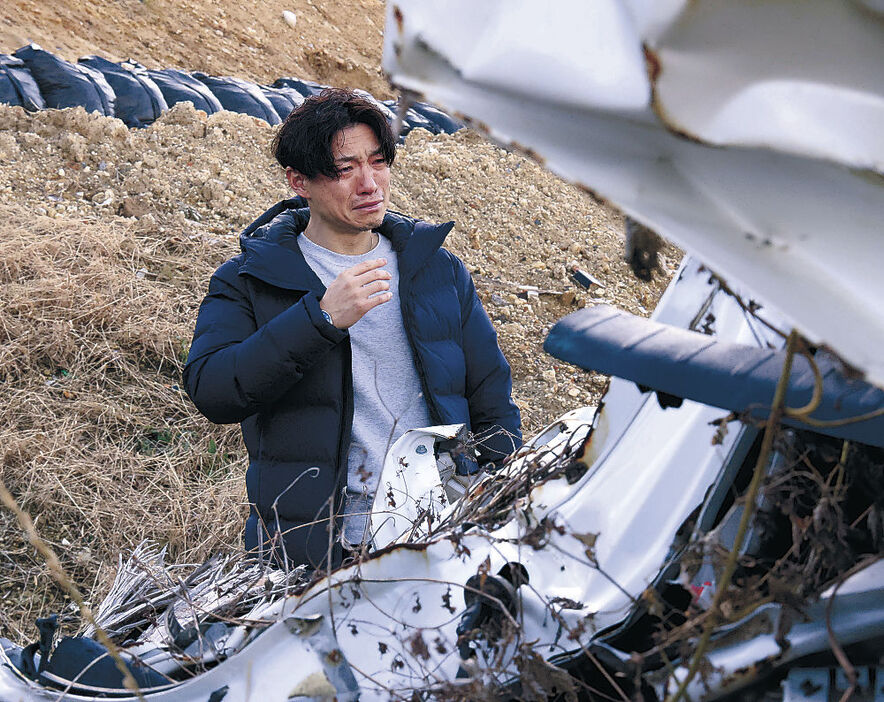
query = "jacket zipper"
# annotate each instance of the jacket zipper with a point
(346, 418)
(405, 301)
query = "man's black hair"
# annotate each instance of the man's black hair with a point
(304, 140)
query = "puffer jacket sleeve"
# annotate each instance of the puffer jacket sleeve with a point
(494, 417)
(236, 367)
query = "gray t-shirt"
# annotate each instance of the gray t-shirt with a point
(388, 400)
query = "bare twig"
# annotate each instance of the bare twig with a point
(68, 585)
(748, 512)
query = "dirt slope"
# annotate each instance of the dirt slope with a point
(337, 42)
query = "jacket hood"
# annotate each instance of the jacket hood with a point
(271, 253)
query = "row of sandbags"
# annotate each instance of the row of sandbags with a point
(37, 79)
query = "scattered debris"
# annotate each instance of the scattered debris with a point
(584, 279)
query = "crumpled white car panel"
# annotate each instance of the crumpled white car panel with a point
(388, 624)
(791, 208)
(629, 498)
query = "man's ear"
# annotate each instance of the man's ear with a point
(297, 182)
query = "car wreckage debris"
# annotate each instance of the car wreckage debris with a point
(501, 598)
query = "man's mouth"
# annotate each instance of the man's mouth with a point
(369, 206)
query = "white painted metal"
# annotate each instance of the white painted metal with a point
(282, 662)
(410, 494)
(607, 536)
(758, 145)
(652, 471)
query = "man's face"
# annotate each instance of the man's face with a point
(357, 200)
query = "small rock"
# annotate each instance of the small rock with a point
(568, 297)
(134, 207)
(30, 140)
(573, 392)
(212, 191)
(103, 197)
(191, 214)
(8, 147)
(137, 182)
(291, 19)
(549, 376)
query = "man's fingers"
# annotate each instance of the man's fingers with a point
(378, 300)
(376, 286)
(369, 276)
(365, 266)
(356, 291)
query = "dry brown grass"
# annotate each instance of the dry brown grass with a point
(98, 442)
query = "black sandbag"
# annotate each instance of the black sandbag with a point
(17, 85)
(139, 99)
(179, 86)
(284, 100)
(64, 84)
(87, 662)
(439, 119)
(388, 113)
(239, 95)
(412, 120)
(305, 87)
(406, 127)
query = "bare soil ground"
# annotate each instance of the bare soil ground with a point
(336, 42)
(108, 237)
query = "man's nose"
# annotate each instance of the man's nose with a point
(366, 181)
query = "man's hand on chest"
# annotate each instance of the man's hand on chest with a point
(356, 291)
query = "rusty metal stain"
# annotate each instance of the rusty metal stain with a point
(472, 122)
(743, 676)
(671, 126)
(594, 195)
(400, 19)
(407, 546)
(652, 63)
(529, 152)
(654, 68)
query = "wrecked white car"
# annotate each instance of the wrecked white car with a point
(714, 529)
(593, 565)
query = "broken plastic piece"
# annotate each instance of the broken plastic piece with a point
(584, 279)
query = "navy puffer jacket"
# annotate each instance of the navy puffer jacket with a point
(264, 356)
